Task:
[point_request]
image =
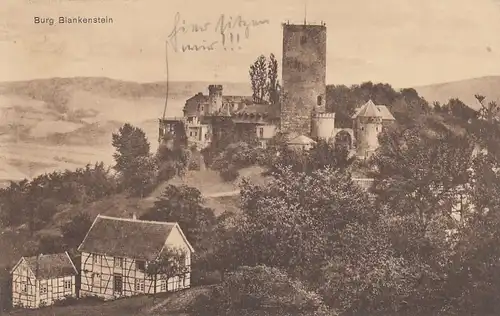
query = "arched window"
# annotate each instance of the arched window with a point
(320, 100)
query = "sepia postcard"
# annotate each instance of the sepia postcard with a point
(250, 157)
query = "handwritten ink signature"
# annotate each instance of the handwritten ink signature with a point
(228, 24)
(226, 28)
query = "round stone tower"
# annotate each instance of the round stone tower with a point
(323, 125)
(214, 99)
(367, 126)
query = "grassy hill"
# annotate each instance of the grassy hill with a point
(59, 123)
(463, 90)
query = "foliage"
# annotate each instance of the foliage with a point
(273, 82)
(171, 262)
(457, 108)
(74, 231)
(294, 222)
(258, 79)
(406, 104)
(184, 205)
(260, 288)
(235, 157)
(172, 161)
(134, 162)
(264, 80)
(322, 155)
(36, 201)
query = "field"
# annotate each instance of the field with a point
(174, 304)
(60, 123)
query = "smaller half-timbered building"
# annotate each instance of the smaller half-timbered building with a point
(115, 254)
(42, 280)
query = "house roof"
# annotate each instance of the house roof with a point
(130, 238)
(386, 114)
(370, 109)
(50, 266)
(301, 140)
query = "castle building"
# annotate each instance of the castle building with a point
(301, 113)
(303, 76)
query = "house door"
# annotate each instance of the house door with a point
(118, 283)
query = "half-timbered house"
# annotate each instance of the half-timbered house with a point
(42, 280)
(115, 254)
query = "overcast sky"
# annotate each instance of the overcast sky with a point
(402, 42)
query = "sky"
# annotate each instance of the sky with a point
(401, 42)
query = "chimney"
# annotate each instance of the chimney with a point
(134, 217)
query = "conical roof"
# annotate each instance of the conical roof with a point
(369, 109)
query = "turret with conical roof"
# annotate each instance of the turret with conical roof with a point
(367, 126)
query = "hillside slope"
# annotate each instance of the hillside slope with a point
(58, 123)
(463, 90)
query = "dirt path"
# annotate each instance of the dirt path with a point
(178, 302)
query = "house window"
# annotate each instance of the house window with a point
(67, 285)
(320, 100)
(24, 288)
(163, 285)
(139, 285)
(140, 265)
(118, 262)
(95, 258)
(43, 288)
(96, 279)
(303, 40)
(261, 132)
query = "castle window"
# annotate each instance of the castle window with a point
(320, 100)
(303, 40)
(261, 132)
(190, 133)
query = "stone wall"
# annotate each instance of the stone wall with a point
(303, 76)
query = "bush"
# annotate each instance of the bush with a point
(259, 289)
(200, 277)
(167, 171)
(66, 301)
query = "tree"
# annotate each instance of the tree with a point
(132, 154)
(258, 78)
(171, 262)
(294, 221)
(420, 182)
(74, 231)
(142, 176)
(461, 110)
(184, 205)
(254, 290)
(273, 82)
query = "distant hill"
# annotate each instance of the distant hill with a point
(463, 90)
(58, 123)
